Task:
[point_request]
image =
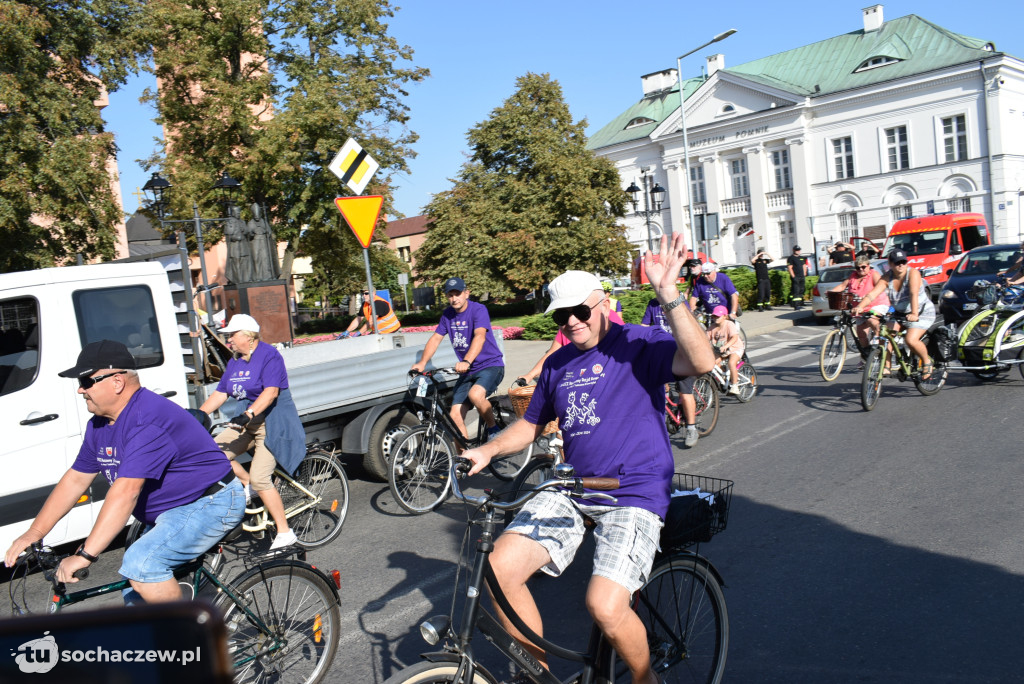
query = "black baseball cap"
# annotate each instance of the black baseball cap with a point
(897, 255)
(99, 355)
(796, 248)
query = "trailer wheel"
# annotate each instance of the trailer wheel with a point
(385, 432)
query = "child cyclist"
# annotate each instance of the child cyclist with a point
(725, 338)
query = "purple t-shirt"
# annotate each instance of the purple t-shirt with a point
(459, 327)
(653, 315)
(711, 296)
(155, 439)
(610, 402)
(246, 380)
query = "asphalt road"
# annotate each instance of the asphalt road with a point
(861, 547)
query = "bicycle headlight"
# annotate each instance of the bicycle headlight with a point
(433, 629)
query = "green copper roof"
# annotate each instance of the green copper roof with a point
(829, 66)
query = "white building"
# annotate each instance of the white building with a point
(830, 140)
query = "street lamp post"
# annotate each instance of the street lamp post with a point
(226, 185)
(654, 195)
(686, 142)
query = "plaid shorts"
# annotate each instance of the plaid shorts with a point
(626, 537)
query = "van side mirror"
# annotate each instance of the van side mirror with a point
(949, 271)
(956, 249)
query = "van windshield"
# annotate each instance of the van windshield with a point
(931, 242)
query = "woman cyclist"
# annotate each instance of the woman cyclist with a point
(860, 283)
(908, 294)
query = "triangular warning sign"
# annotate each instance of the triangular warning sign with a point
(361, 214)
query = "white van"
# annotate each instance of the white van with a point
(46, 317)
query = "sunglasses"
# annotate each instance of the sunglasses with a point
(900, 263)
(580, 311)
(862, 268)
(86, 383)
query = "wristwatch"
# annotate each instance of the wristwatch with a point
(673, 304)
(86, 555)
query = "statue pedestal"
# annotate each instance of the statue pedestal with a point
(265, 301)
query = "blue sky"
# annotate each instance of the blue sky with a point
(596, 49)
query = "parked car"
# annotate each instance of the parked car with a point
(725, 267)
(829, 278)
(981, 263)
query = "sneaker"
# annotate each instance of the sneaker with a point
(691, 435)
(860, 366)
(284, 539)
(733, 389)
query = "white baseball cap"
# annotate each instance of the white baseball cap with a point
(241, 322)
(571, 288)
(708, 267)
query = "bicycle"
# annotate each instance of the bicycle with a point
(747, 378)
(681, 605)
(418, 473)
(834, 348)
(315, 499)
(703, 316)
(889, 347)
(705, 395)
(283, 616)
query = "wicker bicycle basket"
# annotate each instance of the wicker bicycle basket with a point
(520, 398)
(842, 301)
(696, 517)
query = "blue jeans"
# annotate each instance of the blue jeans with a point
(488, 378)
(181, 534)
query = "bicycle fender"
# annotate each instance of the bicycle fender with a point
(711, 568)
(255, 570)
(448, 657)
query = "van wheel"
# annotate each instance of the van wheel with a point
(385, 432)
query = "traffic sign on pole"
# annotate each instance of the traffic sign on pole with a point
(361, 214)
(353, 166)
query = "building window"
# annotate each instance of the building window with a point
(780, 160)
(639, 121)
(787, 236)
(960, 204)
(842, 153)
(900, 212)
(897, 147)
(740, 187)
(405, 254)
(876, 62)
(954, 137)
(847, 226)
(698, 195)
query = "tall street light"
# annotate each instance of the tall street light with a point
(686, 142)
(654, 195)
(226, 186)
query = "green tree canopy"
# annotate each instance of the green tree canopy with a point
(56, 197)
(269, 92)
(531, 202)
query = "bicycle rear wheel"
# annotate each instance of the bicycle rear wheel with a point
(871, 381)
(683, 610)
(325, 479)
(420, 470)
(747, 381)
(505, 468)
(833, 355)
(934, 383)
(706, 395)
(426, 672)
(299, 623)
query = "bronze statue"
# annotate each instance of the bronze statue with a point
(263, 246)
(240, 259)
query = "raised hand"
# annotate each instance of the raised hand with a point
(664, 272)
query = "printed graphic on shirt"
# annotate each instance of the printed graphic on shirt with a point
(581, 411)
(459, 340)
(109, 461)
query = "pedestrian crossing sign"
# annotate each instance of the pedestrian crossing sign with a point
(353, 166)
(361, 214)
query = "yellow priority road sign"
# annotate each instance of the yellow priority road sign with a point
(361, 214)
(353, 166)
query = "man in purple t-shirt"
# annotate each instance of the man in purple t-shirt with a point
(162, 466)
(714, 289)
(607, 391)
(481, 366)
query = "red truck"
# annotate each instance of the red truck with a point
(935, 243)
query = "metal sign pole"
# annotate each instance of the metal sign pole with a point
(369, 288)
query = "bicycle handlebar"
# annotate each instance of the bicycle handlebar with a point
(577, 485)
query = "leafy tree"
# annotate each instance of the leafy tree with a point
(531, 202)
(269, 92)
(56, 198)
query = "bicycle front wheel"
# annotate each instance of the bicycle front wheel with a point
(320, 513)
(294, 635)
(833, 355)
(706, 395)
(426, 672)
(420, 470)
(747, 381)
(871, 381)
(683, 609)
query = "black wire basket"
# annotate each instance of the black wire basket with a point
(693, 519)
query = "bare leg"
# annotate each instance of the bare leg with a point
(478, 397)
(608, 603)
(158, 592)
(734, 374)
(275, 507)
(458, 416)
(515, 558)
(689, 407)
(916, 345)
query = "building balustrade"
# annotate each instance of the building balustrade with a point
(781, 199)
(738, 206)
